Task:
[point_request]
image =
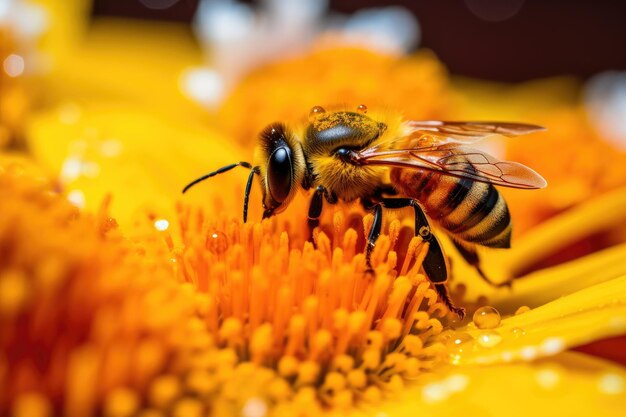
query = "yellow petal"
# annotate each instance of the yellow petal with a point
(569, 384)
(589, 314)
(599, 214)
(134, 155)
(125, 62)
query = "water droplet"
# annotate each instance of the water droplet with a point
(518, 331)
(458, 344)
(486, 318)
(489, 338)
(522, 310)
(316, 111)
(460, 338)
(362, 108)
(217, 242)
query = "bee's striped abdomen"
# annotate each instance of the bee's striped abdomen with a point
(471, 211)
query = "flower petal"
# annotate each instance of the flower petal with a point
(133, 155)
(570, 383)
(589, 314)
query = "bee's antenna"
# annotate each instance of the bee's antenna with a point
(214, 173)
(246, 196)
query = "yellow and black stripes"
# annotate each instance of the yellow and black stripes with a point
(471, 211)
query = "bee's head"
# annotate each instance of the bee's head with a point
(281, 165)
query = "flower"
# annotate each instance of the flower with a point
(225, 318)
(415, 85)
(174, 311)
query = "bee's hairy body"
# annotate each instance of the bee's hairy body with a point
(335, 156)
(471, 212)
(346, 130)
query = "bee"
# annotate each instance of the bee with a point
(387, 162)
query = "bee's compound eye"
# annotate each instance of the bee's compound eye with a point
(316, 111)
(362, 108)
(279, 173)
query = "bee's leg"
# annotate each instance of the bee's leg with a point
(471, 257)
(246, 196)
(315, 209)
(435, 262)
(373, 236)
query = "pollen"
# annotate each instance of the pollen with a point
(323, 328)
(206, 316)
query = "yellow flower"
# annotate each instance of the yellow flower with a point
(188, 312)
(234, 320)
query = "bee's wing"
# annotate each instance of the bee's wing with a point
(440, 132)
(457, 161)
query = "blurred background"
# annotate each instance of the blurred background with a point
(509, 40)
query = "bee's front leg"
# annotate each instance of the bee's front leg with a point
(373, 235)
(316, 205)
(315, 209)
(434, 263)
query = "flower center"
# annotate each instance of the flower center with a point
(310, 320)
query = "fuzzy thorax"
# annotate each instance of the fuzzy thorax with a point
(347, 181)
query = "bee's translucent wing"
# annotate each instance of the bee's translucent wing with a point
(440, 132)
(457, 161)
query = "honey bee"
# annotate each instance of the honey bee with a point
(386, 162)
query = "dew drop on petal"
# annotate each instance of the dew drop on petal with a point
(460, 338)
(486, 318)
(522, 310)
(459, 344)
(362, 108)
(489, 338)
